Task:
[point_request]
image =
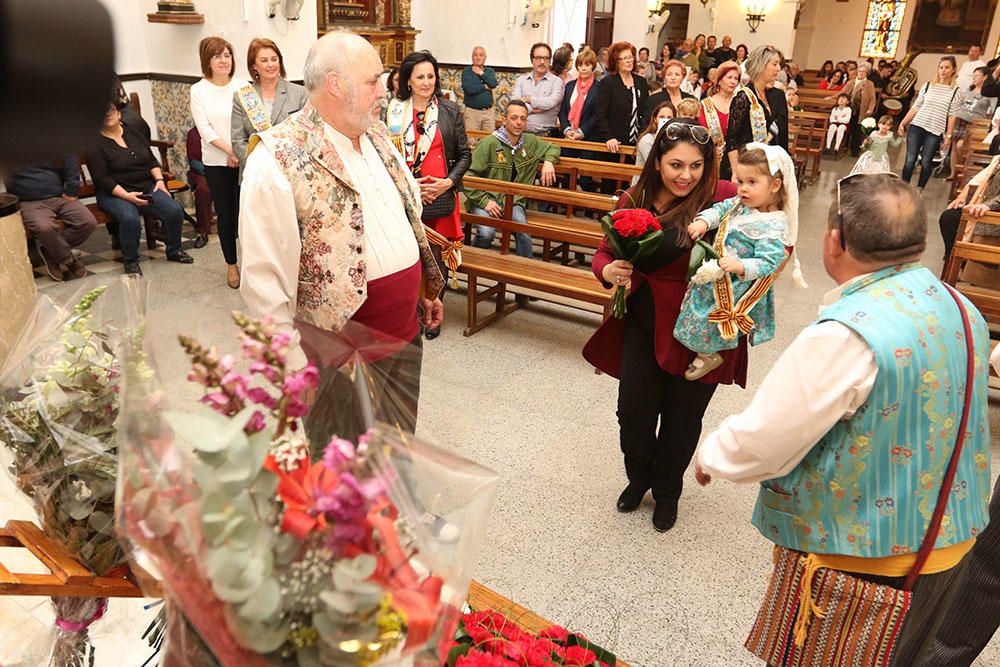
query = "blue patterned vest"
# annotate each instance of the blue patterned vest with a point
(869, 486)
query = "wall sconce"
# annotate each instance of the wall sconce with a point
(755, 13)
(655, 8)
(290, 8)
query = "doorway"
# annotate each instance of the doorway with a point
(600, 23)
(676, 27)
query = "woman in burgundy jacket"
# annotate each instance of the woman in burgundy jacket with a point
(678, 181)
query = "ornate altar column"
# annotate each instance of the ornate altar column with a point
(384, 23)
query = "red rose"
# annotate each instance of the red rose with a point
(556, 632)
(631, 222)
(577, 656)
(480, 659)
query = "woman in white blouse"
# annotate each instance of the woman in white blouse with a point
(929, 123)
(211, 109)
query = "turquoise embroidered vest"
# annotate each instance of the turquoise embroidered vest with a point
(868, 488)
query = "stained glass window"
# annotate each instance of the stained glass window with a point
(881, 35)
(997, 54)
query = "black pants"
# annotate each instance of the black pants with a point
(855, 136)
(971, 614)
(224, 184)
(392, 385)
(948, 222)
(659, 415)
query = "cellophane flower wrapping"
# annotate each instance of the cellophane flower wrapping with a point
(275, 552)
(59, 419)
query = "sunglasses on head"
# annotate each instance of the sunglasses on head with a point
(677, 131)
(840, 215)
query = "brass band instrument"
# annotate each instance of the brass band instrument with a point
(903, 79)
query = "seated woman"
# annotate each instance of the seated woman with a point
(129, 181)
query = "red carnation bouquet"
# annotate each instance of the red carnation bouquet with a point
(632, 233)
(490, 639)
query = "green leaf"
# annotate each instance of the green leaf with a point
(208, 431)
(81, 511)
(100, 522)
(455, 653)
(603, 655)
(264, 603)
(259, 637)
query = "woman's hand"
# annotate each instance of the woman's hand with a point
(960, 198)
(977, 210)
(232, 161)
(946, 144)
(133, 198)
(732, 265)
(612, 145)
(161, 185)
(902, 130)
(697, 229)
(618, 272)
(432, 187)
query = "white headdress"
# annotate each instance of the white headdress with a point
(778, 161)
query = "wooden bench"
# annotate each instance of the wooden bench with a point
(973, 156)
(624, 152)
(809, 129)
(510, 270)
(986, 300)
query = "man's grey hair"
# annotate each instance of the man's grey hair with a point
(758, 60)
(884, 219)
(333, 52)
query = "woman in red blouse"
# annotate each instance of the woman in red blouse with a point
(678, 181)
(714, 112)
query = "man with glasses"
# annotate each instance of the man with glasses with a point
(542, 91)
(851, 431)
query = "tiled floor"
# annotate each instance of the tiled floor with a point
(519, 398)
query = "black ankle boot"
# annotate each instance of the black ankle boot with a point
(630, 498)
(665, 515)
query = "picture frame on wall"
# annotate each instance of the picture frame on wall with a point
(947, 26)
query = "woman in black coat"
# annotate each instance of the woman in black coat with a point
(621, 103)
(758, 111)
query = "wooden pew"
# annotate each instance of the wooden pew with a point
(624, 152)
(973, 156)
(809, 128)
(986, 300)
(506, 269)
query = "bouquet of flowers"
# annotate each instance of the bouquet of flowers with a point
(490, 639)
(271, 556)
(59, 419)
(632, 234)
(703, 266)
(868, 125)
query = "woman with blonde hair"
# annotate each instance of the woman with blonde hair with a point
(211, 109)
(758, 112)
(928, 124)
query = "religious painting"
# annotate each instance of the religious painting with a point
(880, 38)
(946, 26)
(399, 51)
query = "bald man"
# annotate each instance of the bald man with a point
(851, 431)
(478, 84)
(333, 247)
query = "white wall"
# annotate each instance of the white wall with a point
(451, 28)
(569, 22)
(832, 30)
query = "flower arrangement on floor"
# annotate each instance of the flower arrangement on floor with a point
(633, 234)
(490, 639)
(61, 425)
(269, 557)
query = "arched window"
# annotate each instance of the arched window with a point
(881, 35)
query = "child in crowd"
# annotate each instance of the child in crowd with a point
(755, 230)
(875, 159)
(710, 81)
(663, 112)
(688, 108)
(692, 83)
(840, 120)
(792, 99)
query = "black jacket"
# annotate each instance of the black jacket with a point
(588, 117)
(614, 107)
(457, 154)
(654, 100)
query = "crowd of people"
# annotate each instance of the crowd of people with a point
(863, 436)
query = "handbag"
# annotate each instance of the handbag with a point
(441, 207)
(816, 617)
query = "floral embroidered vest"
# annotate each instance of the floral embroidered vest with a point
(332, 276)
(868, 488)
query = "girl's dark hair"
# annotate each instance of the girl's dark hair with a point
(561, 60)
(836, 73)
(406, 71)
(985, 71)
(648, 187)
(651, 126)
(394, 71)
(825, 70)
(746, 50)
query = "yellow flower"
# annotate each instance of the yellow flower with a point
(834, 485)
(862, 441)
(929, 377)
(949, 422)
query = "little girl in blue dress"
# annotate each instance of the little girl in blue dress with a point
(757, 230)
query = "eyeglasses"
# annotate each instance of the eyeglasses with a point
(542, 58)
(625, 59)
(674, 131)
(840, 215)
(420, 122)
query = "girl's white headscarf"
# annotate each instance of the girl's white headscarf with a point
(780, 162)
